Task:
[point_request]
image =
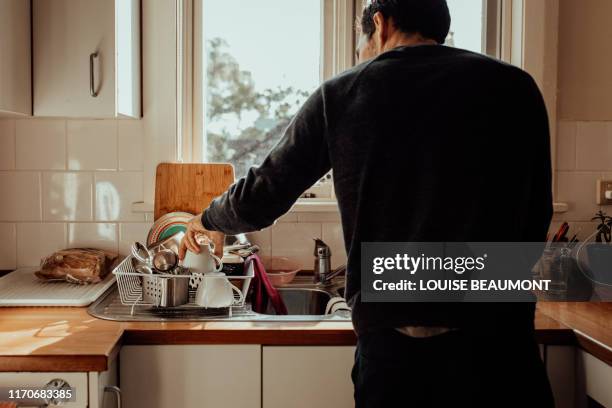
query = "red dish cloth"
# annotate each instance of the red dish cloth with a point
(263, 291)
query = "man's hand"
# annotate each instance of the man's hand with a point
(196, 232)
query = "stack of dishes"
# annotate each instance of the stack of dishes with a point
(168, 225)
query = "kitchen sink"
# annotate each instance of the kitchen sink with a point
(305, 301)
(302, 301)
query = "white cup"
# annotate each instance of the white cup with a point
(203, 263)
(215, 290)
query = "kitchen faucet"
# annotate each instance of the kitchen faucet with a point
(323, 274)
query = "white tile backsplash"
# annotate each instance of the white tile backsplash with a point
(566, 146)
(36, 241)
(93, 235)
(263, 239)
(594, 146)
(114, 195)
(295, 241)
(131, 142)
(8, 249)
(92, 144)
(55, 195)
(130, 233)
(67, 196)
(21, 196)
(332, 217)
(7, 144)
(578, 190)
(113, 149)
(40, 144)
(332, 235)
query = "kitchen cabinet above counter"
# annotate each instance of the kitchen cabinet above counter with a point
(86, 58)
(15, 58)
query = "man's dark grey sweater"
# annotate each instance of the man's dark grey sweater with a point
(427, 144)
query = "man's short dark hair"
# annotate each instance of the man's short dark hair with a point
(429, 18)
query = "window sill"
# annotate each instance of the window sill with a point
(302, 205)
(311, 205)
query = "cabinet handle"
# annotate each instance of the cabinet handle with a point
(92, 79)
(115, 390)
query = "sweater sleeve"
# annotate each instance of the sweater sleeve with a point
(299, 159)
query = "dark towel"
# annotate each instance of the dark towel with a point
(263, 291)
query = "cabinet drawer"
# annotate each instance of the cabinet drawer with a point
(78, 381)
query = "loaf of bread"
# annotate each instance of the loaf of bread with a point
(77, 265)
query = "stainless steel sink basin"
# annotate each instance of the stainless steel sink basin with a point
(302, 301)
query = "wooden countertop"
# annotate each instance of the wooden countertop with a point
(69, 339)
(591, 323)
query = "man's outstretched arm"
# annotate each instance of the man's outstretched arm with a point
(268, 191)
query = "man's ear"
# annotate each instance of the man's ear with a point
(382, 30)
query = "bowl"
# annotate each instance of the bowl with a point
(281, 271)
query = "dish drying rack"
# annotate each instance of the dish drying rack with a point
(143, 289)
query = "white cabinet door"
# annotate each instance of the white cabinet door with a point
(103, 388)
(595, 377)
(15, 58)
(305, 377)
(194, 376)
(84, 50)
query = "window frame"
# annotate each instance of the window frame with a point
(337, 55)
(338, 42)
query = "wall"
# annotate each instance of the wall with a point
(585, 60)
(584, 139)
(70, 183)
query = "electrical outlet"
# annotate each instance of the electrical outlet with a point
(604, 192)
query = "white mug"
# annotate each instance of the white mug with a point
(215, 290)
(203, 263)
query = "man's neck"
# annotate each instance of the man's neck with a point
(403, 40)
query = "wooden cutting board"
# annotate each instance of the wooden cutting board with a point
(189, 187)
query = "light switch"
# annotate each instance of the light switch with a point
(604, 192)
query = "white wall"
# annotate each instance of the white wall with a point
(584, 138)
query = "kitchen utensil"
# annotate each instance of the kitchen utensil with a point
(216, 291)
(141, 267)
(560, 236)
(233, 265)
(204, 262)
(189, 187)
(172, 243)
(140, 252)
(236, 247)
(165, 260)
(164, 291)
(246, 252)
(167, 226)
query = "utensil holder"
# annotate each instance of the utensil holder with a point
(165, 291)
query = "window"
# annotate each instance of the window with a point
(255, 63)
(262, 60)
(466, 25)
